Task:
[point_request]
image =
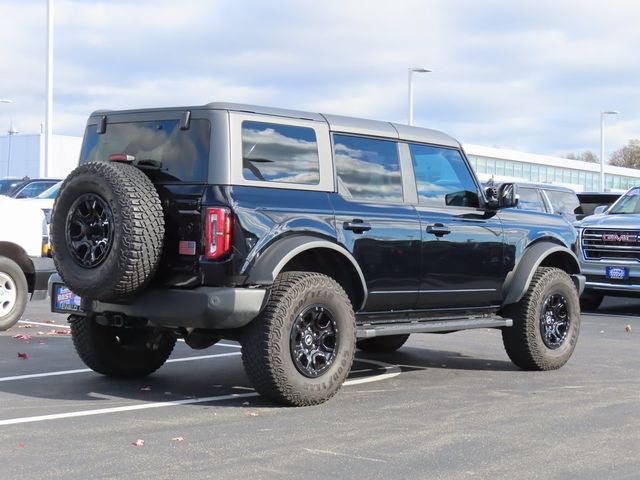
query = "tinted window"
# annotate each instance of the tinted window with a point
(34, 189)
(563, 202)
(442, 177)
(628, 203)
(180, 154)
(279, 153)
(368, 169)
(530, 199)
(7, 186)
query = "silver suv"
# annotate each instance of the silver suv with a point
(610, 251)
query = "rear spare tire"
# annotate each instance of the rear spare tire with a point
(107, 230)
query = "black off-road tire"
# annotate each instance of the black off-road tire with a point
(267, 351)
(590, 300)
(117, 352)
(134, 222)
(524, 340)
(13, 293)
(386, 344)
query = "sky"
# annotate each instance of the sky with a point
(524, 75)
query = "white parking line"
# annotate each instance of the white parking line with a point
(66, 326)
(51, 325)
(144, 406)
(393, 371)
(84, 370)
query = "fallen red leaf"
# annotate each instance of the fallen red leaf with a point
(60, 332)
(21, 445)
(22, 336)
(138, 443)
(23, 355)
(627, 328)
(49, 321)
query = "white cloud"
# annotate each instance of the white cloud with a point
(530, 75)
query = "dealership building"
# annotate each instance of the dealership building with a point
(23, 155)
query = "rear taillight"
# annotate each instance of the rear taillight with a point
(218, 228)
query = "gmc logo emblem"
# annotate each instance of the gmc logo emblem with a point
(613, 237)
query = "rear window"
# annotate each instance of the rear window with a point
(180, 155)
(274, 152)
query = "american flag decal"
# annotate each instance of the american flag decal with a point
(186, 247)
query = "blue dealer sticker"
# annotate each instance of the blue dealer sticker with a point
(64, 300)
(617, 273)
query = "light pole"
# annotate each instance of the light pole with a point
(413, 70)
(48, 119)
(11, 130)
(602, 114)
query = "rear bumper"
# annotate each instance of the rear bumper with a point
(211, 308)
(43, 270)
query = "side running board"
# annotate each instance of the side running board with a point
(435, 326)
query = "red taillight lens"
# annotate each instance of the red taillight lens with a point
(121, 157)
(218, 225)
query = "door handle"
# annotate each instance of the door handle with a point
(356, 226)
(438, 229)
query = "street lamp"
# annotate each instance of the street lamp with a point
(413, 70)
(602, 114)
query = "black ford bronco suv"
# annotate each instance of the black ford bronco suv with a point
(303, 236)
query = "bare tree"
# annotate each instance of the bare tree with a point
(628, 156)
(586, 156)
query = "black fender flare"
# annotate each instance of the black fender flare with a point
(517, 283)
(270, 263)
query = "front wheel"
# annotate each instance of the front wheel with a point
(13, 293)
(546, 322)
(120, 352)
(300, 349)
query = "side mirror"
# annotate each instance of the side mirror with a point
(600, 209)
(508, 195)
(504, 196)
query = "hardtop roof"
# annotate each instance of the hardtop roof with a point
(336, 123)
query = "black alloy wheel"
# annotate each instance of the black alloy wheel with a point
(313, 340)
(554, 321)
(89, 230)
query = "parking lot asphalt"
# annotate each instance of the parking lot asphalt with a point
(442, 407)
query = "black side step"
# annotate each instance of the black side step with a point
(434, 326)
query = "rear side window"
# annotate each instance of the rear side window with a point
(34, 189)
(368, 168)
(530, 199)
(273, 152)
(442, 177)
(180, 155)
(563, 202)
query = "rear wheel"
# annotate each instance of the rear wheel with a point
(386, 344)
(546, 322)
(300, 349)
(13, 293)
(119, 352)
